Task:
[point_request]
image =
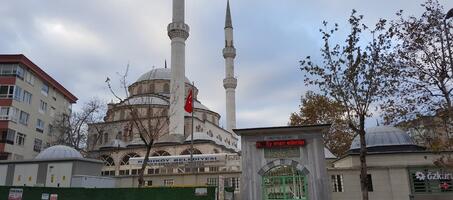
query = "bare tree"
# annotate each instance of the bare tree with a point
(72, 130)
(355, 74)
(424, 54)
(149, 122)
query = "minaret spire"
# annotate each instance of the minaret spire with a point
(178, 32)
(230, 82)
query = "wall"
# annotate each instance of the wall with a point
(186, 193)
(3, 171)
(92, 182)
(59, 175)
(25, 174)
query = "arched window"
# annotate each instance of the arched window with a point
(125, 160)
(108, 161)
(210, 133)
(160, 153)
(166, 88)
(187, 152)
(219, 138)
(106, 138)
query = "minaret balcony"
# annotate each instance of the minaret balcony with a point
(178, 29)
(230, 82)
(229, 52)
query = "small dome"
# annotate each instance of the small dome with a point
(385, 138)
(58, 152)
(158, 74)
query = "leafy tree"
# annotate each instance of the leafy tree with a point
(423, 52)
(355, 74)
(319, 109)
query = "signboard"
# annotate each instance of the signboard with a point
(15, 194)
(433, 175)
(44, 196)
(53, 197)
(201, 191)
(280, 143)
(183, 159)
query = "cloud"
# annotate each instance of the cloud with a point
(80, 43)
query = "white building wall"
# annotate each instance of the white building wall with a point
(25, 174)
(92, 182)
(3, 171)
(59, 175)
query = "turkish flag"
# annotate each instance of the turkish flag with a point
(189, 107)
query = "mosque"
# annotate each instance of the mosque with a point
(162, 92)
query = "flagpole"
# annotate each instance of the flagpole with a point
(191, 135)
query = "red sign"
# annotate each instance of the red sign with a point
(280, 143)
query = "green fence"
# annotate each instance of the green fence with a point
(162, 193)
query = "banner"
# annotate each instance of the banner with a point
(183, 159)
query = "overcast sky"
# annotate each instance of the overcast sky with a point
(81, 42)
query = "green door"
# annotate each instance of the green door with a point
(284, 182)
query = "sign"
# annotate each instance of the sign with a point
(430, 175)
(53, 197)
(184, 159)
(280, 143)
(44, 196)
(15, 194)
(201, 191)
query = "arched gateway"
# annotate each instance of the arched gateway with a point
(285, 163)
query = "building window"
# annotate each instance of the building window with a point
(337, 183)
(213, 169)
(40, 125)
(108, 161)
(29, 78)
(166, 88)
(153, 171)
(6, 91)
(23, 118)
(213, 181)
(108, 173)
(135, 171)
(12, 70)
(7, 136)
(9, 113)
(125, 160)
(38, 145)
(124, 172)
(52, 111)
(168, 182)
(106, 137)
(369, 182)
(42, 107)
(20, 139)
(18, 93)
(45, 89)
(149, 183)
(26, 97)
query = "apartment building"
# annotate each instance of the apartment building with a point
(30, 99)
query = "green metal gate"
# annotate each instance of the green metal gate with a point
(284, 182)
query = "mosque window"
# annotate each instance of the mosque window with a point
(106, 137)
(108, 161)
(125, 160)
(160, 153)
(337, 183)
(210, 133)
(219, 138)
(151, 88)
(199, 128)
(139, 89)
(187, 152)
(168, 182)
(212, 181)
(205, 116)
(166, 88)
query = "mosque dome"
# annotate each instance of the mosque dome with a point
(158, 74)
(58, 152)
(385, 139)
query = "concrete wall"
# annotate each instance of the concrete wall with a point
(92, 182)
(25, 174)
(3, 172)
(59, 174)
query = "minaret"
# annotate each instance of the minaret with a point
(230, 82)
(178, 32)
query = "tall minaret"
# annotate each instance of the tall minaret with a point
(230, 82)
(178, 32)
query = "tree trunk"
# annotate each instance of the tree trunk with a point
(363, 166)
(141, 181)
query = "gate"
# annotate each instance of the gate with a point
(284, 183)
